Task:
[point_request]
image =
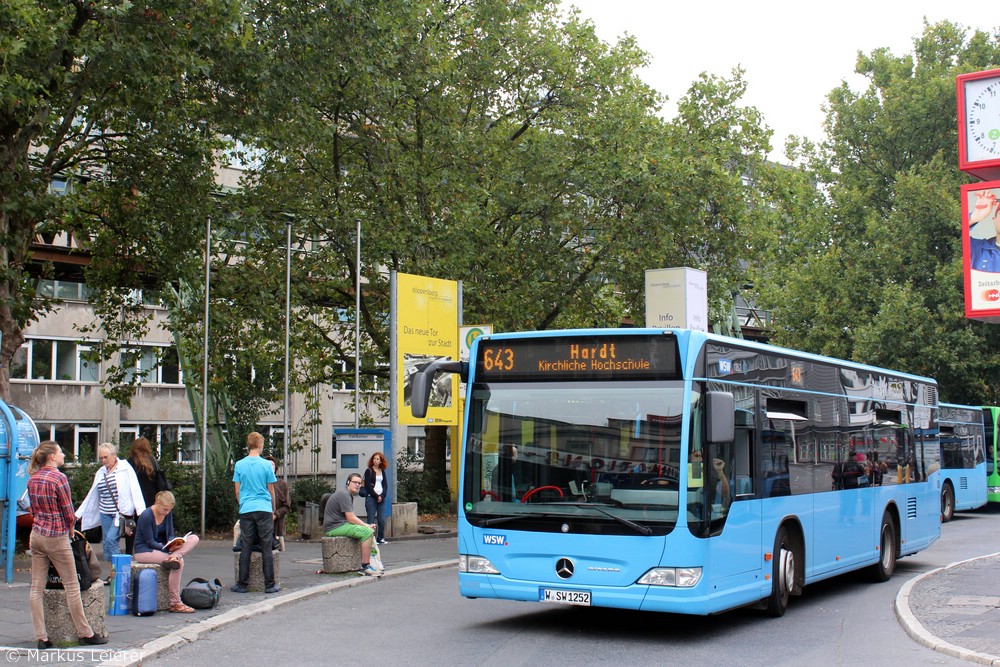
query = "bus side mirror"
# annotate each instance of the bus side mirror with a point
(720, 417)
(423, 382)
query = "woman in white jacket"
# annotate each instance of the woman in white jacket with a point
(115, 492)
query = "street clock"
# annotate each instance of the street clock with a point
(978, 96)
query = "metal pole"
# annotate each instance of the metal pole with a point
(398, 431)
(288, 310)
(204, 375)
(357, 326)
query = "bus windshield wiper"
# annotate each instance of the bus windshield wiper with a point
(637, 527)
(483, 523)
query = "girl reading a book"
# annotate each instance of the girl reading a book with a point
(155, 543)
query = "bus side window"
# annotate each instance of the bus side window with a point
(742, 466)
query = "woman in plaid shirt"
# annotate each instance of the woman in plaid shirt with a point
(52, 511)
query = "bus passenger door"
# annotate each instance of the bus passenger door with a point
(739, 555)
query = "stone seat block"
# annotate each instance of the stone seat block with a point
(256, 580)
(341, 554)
(58, 622)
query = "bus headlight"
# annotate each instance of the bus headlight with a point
(476, 565)
(678, 577)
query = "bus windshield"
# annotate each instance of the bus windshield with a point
(599, 453)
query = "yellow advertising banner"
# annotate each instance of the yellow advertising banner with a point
(427, 329)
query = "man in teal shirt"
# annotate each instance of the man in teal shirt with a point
(254, 481)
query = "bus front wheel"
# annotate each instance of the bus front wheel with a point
(782, 573)
(886, 565)
(947, 503)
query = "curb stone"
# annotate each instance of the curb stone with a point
(195, 631)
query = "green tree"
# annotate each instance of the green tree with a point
(127, 104)
(501, 144)
(865, 260)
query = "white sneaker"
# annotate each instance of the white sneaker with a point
(383, 541)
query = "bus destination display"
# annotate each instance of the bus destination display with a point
(570, 358)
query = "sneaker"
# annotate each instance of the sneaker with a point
(273, 589)
(94, 639)
(236, 588)
(44, 644)
(383, 541)
(169, 565)
(367, 570)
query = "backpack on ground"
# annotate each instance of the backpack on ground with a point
(201, 593)
(144, 592)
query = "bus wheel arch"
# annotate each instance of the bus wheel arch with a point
(947, 501)
(787, 567)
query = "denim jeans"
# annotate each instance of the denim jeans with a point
(109, 534)
(376, 509)
(257, 528)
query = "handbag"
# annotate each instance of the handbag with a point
(78, 543)
(201, 593)
(128, 525)
(162, 483)
(127, 522)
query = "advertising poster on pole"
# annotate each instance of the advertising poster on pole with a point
(980, 250)
(427, 329)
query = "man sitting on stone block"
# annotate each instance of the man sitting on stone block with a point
(339, 520)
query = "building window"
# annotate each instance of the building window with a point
(68, 290)
(152, 365)
(41, 359)
(78, 441)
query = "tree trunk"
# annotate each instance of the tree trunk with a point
(434, 459)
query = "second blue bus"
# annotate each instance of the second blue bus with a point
(963, 460)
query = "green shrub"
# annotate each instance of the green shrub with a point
(310, 489)
(412, 486)
(81, 478)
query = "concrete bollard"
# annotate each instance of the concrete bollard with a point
(256, 579)
(58, 622)
(341, 554)
(403, 520)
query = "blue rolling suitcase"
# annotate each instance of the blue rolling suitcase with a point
(144, 591)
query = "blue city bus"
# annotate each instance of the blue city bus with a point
(991, 420)
(963, 460)
(677, 471)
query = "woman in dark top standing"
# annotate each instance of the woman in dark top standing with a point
(141, 458)
(376, 483)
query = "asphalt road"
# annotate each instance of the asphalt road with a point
(419, 619)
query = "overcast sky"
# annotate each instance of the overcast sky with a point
(794, 53)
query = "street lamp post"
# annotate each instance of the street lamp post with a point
(357, 325)
(204, 375)
(288, 300)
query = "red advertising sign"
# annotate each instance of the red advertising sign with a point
(981, 250)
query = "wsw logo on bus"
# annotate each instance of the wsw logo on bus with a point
(496, 540)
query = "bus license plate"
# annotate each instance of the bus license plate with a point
(557, 596)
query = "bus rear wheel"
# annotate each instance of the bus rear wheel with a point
(947, 503)
(886, 565)
(782, 573)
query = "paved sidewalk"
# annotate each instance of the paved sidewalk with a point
(133, 638)
(956, 609)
